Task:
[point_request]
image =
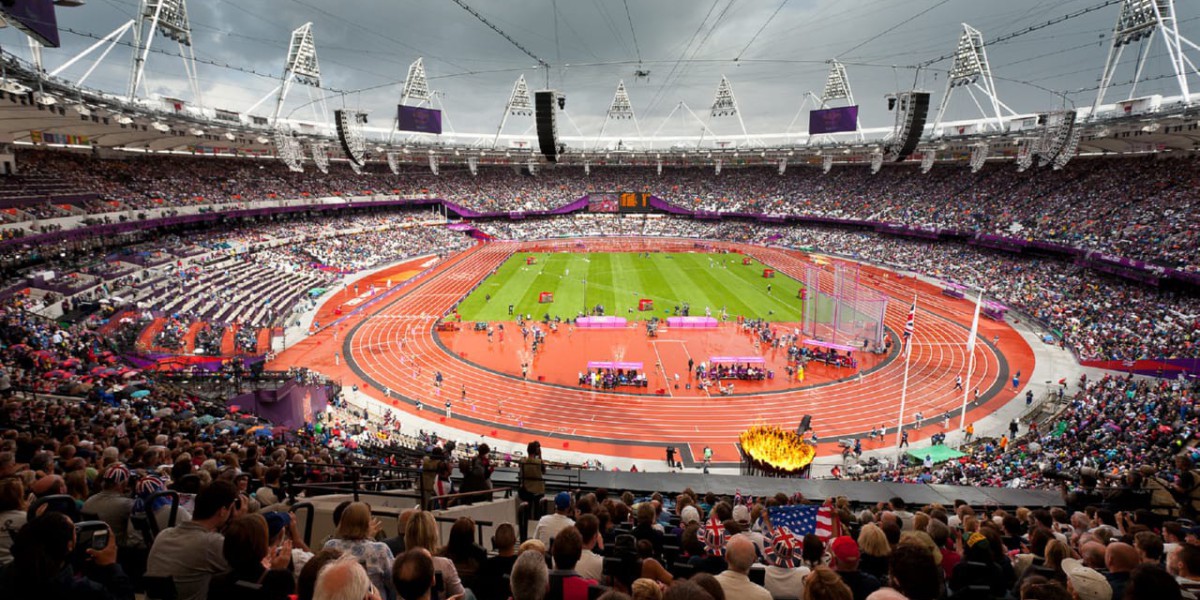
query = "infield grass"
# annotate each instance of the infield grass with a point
(617, 280)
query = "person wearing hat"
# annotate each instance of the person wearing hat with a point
(845, 562)
(549, 525)
(978, 567)
(785, 575)
(1085, 583)
(113, 505)
(281, 527)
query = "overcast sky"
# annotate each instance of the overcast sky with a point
(686, 45)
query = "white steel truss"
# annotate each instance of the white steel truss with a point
(972, 72)
(1139, 22)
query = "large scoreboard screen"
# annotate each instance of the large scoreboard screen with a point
(635, 202)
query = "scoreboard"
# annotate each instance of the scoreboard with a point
(635, 202)
(619, 202)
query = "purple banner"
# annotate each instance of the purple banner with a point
(35, 18)
(833, 120)
(424, 120)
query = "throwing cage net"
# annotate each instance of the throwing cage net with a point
(842, 311)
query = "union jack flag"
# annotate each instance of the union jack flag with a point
(714, 537)
(803, 519)
(782, 547)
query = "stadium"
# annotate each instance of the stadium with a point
(599, 300)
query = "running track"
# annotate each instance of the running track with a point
(639, 426)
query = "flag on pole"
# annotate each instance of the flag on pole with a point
(974, 327)
(910, 324)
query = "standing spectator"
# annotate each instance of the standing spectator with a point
(477, 474)
(533, 481)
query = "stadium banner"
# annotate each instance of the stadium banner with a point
(833, 120)
(423, 120)
(45, 137)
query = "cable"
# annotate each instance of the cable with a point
(891, 29)
(483, 20)
(1030, 29)
(634, 33)
(760, 29)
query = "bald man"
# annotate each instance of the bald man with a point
(735, 581)
(1120, 559)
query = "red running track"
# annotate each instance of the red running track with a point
(395, 349)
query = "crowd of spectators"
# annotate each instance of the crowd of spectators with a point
(1141, 208)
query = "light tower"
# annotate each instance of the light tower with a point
(1139, 21)
(301, 66)
(621, 109)
(170, 18)
(725, 104)
(519, 105)
(972, 73)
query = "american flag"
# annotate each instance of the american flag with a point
(714, 536)
(803, 519)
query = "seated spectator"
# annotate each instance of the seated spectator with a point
(345, 579)
(492, 583)
(248, 553)
(735, 579)
(355, 537)
(467, 556)
(549, 525)
(530, 578)
(413, 575)
(113, 505)
(978, 567)
(1085, 583)
(422, 532)
(13, 507)
(845, 563)
(41, 565)
(591, 563)
(873, 549)
(193, 551)
(825, 584)
(307, 580)
(566, 550)
(914, 573)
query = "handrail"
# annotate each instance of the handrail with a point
(491, 491)
(479, 525)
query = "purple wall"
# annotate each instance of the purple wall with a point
(291, 405)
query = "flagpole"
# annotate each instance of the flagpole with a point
(962, 418)
(908, 342)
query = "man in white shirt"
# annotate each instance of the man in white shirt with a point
(735, 581)
(591, 564)
(549, 525)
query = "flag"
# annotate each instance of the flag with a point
(783, 547)
(803, 519)
(910, 325)
(974, 327)
(714, 537)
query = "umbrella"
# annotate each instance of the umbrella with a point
(56, 374)
(225, 424)
(71, 362)
(140, 394)
(264, 432)
(129, 374)
(44, 354)
(99, 371)
(206, 419)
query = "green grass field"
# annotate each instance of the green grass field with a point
(617, 280)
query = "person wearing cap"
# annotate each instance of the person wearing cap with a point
(845, 562)
(1085, 583)
(741, 514)
(113, 505)
(735, 580)
(281, 527)
(549, 525)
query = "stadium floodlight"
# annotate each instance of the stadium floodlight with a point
(168, 18)
(416, 85)
(320, 155)
(350, 133)
(620, 109)
(300, 66)
(979, 155)
(725, 103)
(519, 105)
(288, 149)
(971, 71)
(826, 163)
(393, 161)
(1138, 22)
(876, 161)
(783, 162)
(837, 85)
(928, 157)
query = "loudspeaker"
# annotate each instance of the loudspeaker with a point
(805, 425)
(547, 125)
(912, 109)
